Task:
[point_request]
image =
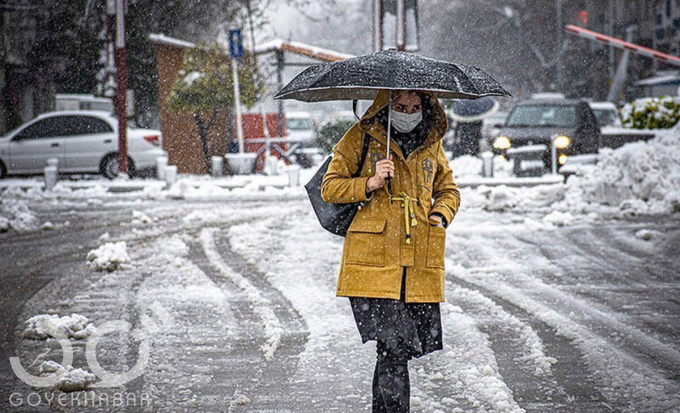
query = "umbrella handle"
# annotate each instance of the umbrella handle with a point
(388, 187)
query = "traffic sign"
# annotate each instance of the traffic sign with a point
(235, 45)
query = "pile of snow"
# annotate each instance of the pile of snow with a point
(15, 214)
(109, 257)
(468, 166)
(642, 177)
(504, 198)
(70, 379)
(639, 177)
(646, 234)
(140, 218)
(559, 219)
(44, 326)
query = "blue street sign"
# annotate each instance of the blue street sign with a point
(235, 45)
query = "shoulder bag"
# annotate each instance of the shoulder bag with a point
(334, 218)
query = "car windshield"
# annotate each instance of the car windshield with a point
(299, 124)
(605, 117)
(543, 115)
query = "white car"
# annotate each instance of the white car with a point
(301, 128)
(82, 141)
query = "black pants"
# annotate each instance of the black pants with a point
(391, 384)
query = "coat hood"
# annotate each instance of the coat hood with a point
(438, 121)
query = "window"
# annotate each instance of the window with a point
(87, 125)
(46, 128)
(543, 115)
(605, 117)
(299, 124)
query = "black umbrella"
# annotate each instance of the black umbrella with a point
(361, 77)
(473, 110)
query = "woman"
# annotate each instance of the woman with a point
(392, 265)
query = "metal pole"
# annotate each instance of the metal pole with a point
(279, 79)
(389, 136)
(611, 48)
(558, 74)
(237, 104)
(121, 95)
(265, 130)
(400, 25)
(377, 25)
(389, 125)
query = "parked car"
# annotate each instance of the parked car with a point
(491, 125)
(82, 141)
(535, 124)
(301, 128)
(301, 131)
(606, 114)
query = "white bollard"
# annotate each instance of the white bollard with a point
(161, 164)
(272, 165)
(487, 164)
(294, 175)
(553, 158)
(51, 176)
(53, 162)
(171, 174)
(217, 166)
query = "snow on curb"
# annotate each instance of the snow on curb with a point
(261, 305)
(109, 257)
(44, 326)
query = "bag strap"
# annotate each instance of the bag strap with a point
(364, 152)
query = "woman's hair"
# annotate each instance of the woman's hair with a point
(425, 101)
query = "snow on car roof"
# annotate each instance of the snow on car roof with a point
(97, 113)
(602, 105)
(298, 115)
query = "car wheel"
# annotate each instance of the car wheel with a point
(109, 167)
(3, 170)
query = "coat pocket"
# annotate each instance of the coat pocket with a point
(436, 244)
(366, 242)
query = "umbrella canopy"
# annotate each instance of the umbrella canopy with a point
(360, 78)
(473, 110)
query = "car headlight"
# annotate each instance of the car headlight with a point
(561, 141)
(502, 142)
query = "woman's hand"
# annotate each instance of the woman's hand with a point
(383, 169)
(436, 220)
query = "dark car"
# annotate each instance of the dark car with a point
(535, 125)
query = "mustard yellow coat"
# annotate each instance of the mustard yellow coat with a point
(376, 247)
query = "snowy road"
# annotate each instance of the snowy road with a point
(538, 318)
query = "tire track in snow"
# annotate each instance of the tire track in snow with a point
(261, 305)
(646, 389)
(619, 317)
(522, 345)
